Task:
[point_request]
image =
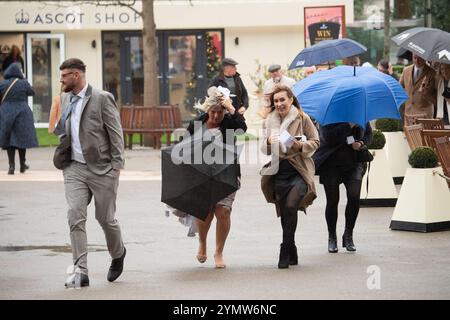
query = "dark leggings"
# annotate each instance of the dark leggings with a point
(353, 188)
(12, 154)
(289, 207)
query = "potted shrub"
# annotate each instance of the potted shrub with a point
(380, 191)
(424, 201)
(397, 148)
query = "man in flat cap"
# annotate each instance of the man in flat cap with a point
(230, 78)
(276, 78)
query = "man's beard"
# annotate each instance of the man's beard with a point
(67, 88)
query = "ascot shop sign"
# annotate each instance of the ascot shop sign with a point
(76, 18)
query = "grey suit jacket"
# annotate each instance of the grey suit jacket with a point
(101, 135)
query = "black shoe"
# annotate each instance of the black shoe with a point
(11, 170)
(84, 280)
(284, 260)
(332, 245)
(116, 268)
(23, 167)
(293, 256)
(347, 241)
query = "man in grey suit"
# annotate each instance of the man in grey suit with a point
(91, 155)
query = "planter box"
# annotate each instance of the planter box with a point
(397, 151)
(382, 192)
(424, 202)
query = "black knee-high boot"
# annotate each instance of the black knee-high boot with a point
(283, 261)
(288, 249)
(12, 163)
(23, 166)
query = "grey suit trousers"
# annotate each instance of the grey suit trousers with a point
(80, 185)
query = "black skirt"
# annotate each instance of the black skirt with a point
(342, 174)
(286, 178)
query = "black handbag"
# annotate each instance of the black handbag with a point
(363, 155)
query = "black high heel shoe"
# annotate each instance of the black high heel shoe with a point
(347, 241)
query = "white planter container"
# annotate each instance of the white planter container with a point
(397, 152)
(382, 192)
(423, 203)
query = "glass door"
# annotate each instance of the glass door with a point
(186, 62)
(181, 72)
(45, 53)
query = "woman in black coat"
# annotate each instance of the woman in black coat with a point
(336, 163)
(16, 119)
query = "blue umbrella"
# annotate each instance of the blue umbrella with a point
(336, 95)
(327, 50)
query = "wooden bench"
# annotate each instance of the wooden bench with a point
(443, 152)
(429, 135)
(126, 119)
(411, 118)
(153, 121)
(431, 124)
(413, 135)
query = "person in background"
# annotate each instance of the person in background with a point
(276, 78)
(418, 80)
(353, 61)
(443, 93)
(16, 118)
(386, 67)
(309, 71)
(14, 56)
(231, 79)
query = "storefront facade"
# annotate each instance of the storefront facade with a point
(192, 38)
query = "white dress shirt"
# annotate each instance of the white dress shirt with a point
(77, 153)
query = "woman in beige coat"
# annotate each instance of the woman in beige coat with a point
(289, 179)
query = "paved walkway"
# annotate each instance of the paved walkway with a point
(161, 264)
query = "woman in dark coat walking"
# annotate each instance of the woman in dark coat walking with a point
(335, 164)
(16, 119)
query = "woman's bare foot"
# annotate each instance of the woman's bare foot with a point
(218, 258)
(201, 254)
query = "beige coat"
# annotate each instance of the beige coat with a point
(422, 94)
(296, 124)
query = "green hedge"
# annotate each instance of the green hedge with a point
(378, 140)
(388, 125)
(423, 157)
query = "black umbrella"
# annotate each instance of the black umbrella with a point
(327, 50)
(428, 43)
(195, 178)
(404, 54)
